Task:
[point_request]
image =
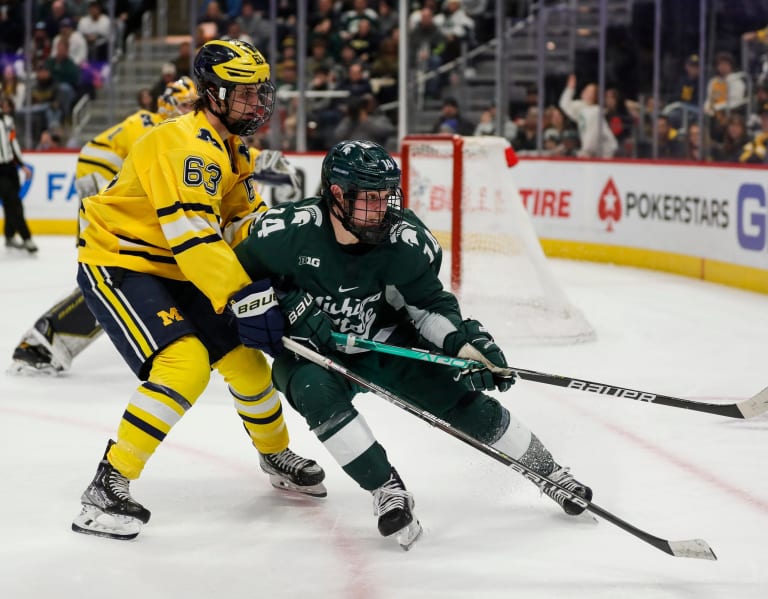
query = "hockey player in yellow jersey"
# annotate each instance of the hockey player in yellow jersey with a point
(101, 158)
(157, 270)
(68, 327)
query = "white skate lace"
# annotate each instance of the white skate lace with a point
(287, 461)
(565, 479)
(389, 497)
(118, 485)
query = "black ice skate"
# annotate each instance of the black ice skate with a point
(393, 505)
(292, 472)
(564, 478)
(29, 359)
(108, 508)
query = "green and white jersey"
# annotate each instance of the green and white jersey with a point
(365, 290)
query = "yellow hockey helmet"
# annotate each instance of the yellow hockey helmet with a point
(177, 98)
(220, 66)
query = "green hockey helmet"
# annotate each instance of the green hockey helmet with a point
(363, 166)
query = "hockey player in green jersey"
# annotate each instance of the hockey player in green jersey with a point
(356, 262)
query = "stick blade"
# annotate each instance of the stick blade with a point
(694, 548)
(754, 406)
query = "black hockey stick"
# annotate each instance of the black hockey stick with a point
(694, 548)
(746, 408)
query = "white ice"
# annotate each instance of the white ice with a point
(218, 528)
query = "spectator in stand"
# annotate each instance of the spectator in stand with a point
(457, 27)
(49, 140)
(415, 16)
(76, 42)
(356, 81)
(551, 142)
(254, 24)
(319, 57)
(554, 120)
(385, 71)
(759, 35)
(734, 140)
(327, 31)
(756, 151)
(145, 100)
(347, 58)
(619, 119)
(362, 122)
(570, 144)
(215, 17)
(451, 120)
(167, 75)
(11, 27)
(726, 94)
(44, 98)
(687, 88)
(57, 10)
(527, 132)
(364, 41)
(41, 45)
(597, 140)
(96, 28)
(235, 32)
(487, 125)
(759, 102)
(350, 20)
(78, 8)
(325, 10)
(425, 46)
(668, 146)
(12, 86)
(389, 18)
(183, 60)
(67, 75)
(692, 149)
(323, 114)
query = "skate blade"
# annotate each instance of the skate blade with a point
(408, 535)
(283, 484)
(94, 521)
(21, 368)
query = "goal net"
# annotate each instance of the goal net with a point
(463, 189)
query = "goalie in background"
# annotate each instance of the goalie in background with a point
(368, 267)
(68, 327)
(156, 267)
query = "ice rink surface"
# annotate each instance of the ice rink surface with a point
(219, 529)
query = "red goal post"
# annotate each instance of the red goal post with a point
(457, 179)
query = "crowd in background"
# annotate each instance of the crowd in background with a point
(67, 58)
(351, 70)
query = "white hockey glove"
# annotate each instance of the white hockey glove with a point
(272, 168)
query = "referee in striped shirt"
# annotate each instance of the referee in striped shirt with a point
(10, 160)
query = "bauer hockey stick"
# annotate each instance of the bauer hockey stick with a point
(694, 548)
(746, 408)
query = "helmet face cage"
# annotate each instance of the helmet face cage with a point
(177, 94)
(367, 174)
(223, 65)
(367, 217)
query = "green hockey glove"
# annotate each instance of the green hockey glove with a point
(472, 342)
(305, 322)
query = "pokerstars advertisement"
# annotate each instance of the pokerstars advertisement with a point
(714, 212)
